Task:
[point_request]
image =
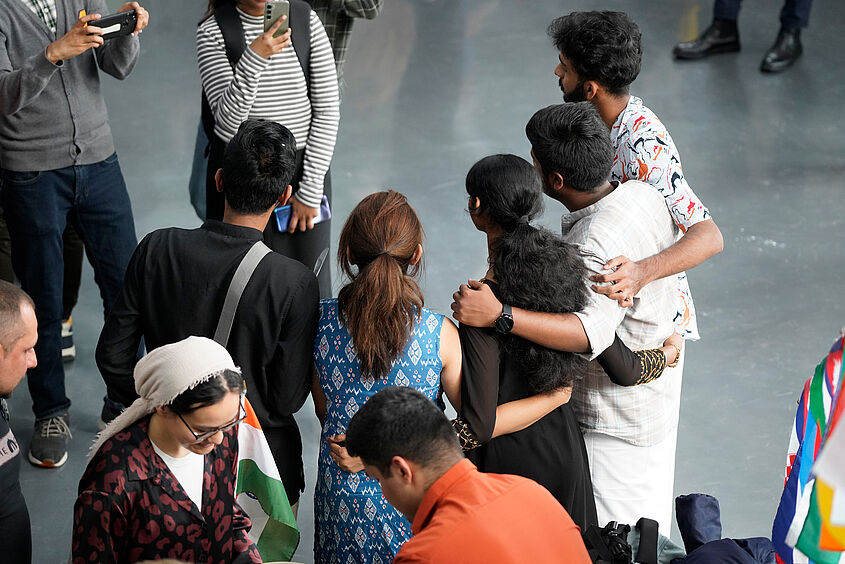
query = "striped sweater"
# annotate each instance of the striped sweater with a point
(275, 89)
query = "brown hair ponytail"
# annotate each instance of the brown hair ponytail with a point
(382, 300)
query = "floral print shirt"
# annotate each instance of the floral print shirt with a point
(131, 507)
(644, 151)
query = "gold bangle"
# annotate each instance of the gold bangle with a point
(674, 363)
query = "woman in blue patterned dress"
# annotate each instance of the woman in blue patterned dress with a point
(376, 333)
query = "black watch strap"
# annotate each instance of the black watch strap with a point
(504, 324)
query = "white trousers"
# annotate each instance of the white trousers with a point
(631, 481)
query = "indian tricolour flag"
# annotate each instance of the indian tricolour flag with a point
(261, 494)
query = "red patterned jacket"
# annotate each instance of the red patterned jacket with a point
(131, 507)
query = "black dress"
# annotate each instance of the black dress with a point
(550, 452)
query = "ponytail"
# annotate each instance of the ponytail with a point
(382, 300)
(534, 268)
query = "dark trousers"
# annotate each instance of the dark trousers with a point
(15, 532)
(793, 14)
(303, 246)
(37, 205)
(73, 252)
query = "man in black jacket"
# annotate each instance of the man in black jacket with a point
(177, 281)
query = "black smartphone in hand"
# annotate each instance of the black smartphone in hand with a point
(117, 25)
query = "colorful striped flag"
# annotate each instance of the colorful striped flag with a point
(261, 494)
(799, 533)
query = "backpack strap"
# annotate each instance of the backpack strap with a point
(236, 288)
(300, 35)
(230, 26)
(233, 32)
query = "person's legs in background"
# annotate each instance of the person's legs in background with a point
(36, 206)
(74, 253)
(7, 273)
(306, 246)
(721, 36)
(726, 9)
(794, 16)
(104, 221)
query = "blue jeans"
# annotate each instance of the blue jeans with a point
(794, 13)
(36, 205)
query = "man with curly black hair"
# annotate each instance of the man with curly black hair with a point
(600, 55)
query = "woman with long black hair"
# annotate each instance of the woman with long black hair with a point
(532, 268)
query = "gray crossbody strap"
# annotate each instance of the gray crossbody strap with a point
(236, 287)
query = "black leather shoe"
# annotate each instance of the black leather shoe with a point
(721, 37)
(784, 52)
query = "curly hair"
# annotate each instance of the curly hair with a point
(534, 268)
(602, 46)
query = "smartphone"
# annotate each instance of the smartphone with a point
(282, 214)
(273, 11)
(117, 25)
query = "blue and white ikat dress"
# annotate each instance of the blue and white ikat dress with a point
(354, 523)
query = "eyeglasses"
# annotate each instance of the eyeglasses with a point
(208, 434)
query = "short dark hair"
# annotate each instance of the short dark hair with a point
(208, 393)
(258, 164)
(602, 46)
(400, 421)
(572, 140)
(11, 300)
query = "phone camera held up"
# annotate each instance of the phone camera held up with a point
(272, 12)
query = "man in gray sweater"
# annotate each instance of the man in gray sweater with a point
(57, 156)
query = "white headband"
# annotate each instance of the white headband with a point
(166, 373)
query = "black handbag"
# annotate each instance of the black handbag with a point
(609, 544)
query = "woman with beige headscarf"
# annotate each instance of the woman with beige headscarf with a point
(160, 480)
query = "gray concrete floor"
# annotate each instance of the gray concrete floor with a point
(431, 87)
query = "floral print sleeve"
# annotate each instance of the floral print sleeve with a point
(645, 151)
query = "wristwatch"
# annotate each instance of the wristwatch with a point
(504, 324)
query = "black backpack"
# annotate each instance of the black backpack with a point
(233, 37)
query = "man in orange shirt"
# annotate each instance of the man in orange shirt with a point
(458, 514)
